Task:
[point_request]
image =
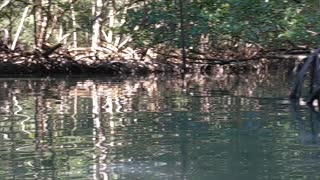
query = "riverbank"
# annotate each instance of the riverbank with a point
(56, 60)
(65, 62)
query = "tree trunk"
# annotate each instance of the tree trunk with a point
(182, 36)
(4, 4)
(111, 23)
(23, 18)
(54, 21)
(41, 18)
(97, 10)
(37, 22)
(46, 18)
(11, 23)
(74, 26)
(6, 35)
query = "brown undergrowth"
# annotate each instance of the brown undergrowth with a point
(112, 61)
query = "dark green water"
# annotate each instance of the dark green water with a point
(156, 128)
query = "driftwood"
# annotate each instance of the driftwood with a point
(313, 61)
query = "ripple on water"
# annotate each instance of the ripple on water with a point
(162, 128)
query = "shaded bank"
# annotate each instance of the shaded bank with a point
(56, 60)
(63, 62)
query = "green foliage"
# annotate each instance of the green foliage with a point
(153, 23)
(269, 23)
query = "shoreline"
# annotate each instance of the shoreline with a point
(61, 62)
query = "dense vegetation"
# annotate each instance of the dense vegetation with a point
(88, 31)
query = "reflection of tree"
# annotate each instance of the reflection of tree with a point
(13, 164)
(99, 137)
(108, 125)
(308, 124)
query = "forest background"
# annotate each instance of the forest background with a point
(153, 31)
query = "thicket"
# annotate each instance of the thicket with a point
(162, 30)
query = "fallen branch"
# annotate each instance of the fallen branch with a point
(50, 50)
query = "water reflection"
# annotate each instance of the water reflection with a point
(203, 127)
(308, 123)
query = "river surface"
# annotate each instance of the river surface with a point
(156, 128)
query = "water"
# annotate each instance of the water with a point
(156, 128)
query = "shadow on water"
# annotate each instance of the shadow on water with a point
(200, 127)
(308, 123)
